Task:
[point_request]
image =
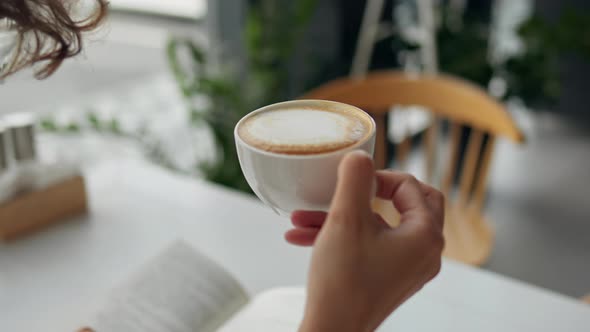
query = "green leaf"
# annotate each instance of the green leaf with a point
(48, 125)
(184, 81)
(93, 120)
(73, 128)
(253, 31)
(114, 126)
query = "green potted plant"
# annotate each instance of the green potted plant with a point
(270, 35)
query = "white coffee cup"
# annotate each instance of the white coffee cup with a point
(290, 182)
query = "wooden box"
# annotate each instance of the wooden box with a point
(32, 212)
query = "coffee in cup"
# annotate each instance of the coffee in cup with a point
(305, 131)
(289, 152)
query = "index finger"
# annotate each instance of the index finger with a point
(403, 190)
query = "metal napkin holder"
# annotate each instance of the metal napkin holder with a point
(31, 211)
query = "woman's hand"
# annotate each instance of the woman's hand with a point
(361, 269)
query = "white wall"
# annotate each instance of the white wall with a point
(182, 8)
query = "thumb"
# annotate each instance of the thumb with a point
(356, 177)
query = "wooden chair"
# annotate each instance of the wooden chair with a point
(469, 238)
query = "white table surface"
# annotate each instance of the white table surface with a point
(50, 281)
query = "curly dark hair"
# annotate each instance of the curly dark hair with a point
(47, 32)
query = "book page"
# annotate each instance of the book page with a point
(180, 290)
(276, 310)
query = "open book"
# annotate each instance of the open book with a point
(181, 290)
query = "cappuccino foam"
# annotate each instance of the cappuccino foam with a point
(304, 130)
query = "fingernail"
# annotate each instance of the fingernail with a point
(374, 184)
(362, 153)
(374, 188)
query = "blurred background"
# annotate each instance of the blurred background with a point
(166, 81)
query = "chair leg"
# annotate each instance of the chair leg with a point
(469, 237)
(387, 211)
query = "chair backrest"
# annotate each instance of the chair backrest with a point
(460, 103)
